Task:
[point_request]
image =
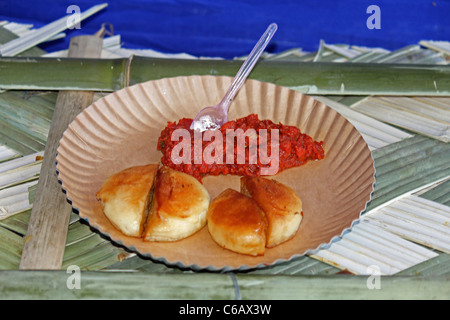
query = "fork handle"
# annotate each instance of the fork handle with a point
(247, 66)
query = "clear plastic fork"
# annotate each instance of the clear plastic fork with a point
(211, 118)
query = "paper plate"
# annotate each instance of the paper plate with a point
(122, 129)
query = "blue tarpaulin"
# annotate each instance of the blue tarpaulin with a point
(231, 28)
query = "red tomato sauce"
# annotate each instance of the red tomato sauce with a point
(295, 148)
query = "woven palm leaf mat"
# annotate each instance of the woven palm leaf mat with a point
(405, 230)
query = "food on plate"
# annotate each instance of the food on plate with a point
(161, 204)
(264, 214)
(281, 205)
(168, 202)
(125, 197)
(267, 154)
(157, 204)
(237, 223)
(178, 208)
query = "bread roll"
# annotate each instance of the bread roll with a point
(125, 198)
(282, 206)
(237, 223)
(178, 208)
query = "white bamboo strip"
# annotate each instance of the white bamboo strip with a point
(416, 234)
(334, 53)
(427, 224)
(380, 255)
(363, 49)
(370, 56)
(416, 218)
(441, 102)
(44, 33)
(372, 142)
(354, 260)
(15, 199)
(413, 54)
(404, 113)
(25, 173)
(404, 250)
(441, 46)
(431, 206)
(368, 246)
(320, 52)
(341, 262)
(369, 255)
(15, 190)
(7, 153)
(397, 115)
(430, 213)
(430, 57)
(112, 41)
(14, 204)
(398, 56)
(376, 133)
(346, 51)
(19, 162)
(18, 29)
(19, 205)
(438, 112)
(295, 52)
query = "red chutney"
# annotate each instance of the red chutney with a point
(295, 148)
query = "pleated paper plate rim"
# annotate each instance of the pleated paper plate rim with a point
(112, 134)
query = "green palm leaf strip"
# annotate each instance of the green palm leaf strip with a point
(324, 78)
